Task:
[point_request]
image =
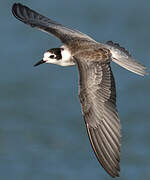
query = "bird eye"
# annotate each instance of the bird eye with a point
(52, 56)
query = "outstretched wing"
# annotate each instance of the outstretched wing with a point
(97, 96)
(34, 19)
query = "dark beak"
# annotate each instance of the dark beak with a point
(40, 62)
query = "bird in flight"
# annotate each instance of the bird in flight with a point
(97, 92)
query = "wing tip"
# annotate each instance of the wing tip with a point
(20, 11)
(15, 8)
(17, 4)
(116, 175)
(114, 172)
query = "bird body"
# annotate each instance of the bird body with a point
(97, 91)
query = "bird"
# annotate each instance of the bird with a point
(97, 91)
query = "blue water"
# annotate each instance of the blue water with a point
(42, 133)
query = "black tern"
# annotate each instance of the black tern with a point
(97, 92)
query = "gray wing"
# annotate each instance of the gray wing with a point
(34, 19)
(97, 96)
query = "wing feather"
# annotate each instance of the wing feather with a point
(97, 94)
(34, 19)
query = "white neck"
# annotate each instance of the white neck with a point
(67, 59)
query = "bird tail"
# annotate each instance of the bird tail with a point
(122, 57)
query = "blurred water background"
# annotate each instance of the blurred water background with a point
(42, 132)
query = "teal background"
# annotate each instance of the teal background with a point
(42, 132)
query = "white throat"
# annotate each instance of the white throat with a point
(67, 59)
(66, 55)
